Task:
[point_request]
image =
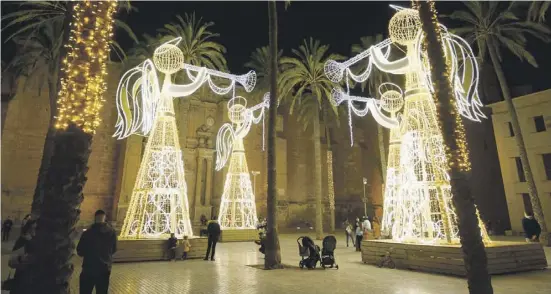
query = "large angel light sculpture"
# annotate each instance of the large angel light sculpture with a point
(159, 204)
(238, 207)
(418, 206)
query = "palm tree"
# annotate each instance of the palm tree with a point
(273, 251)
(39, 34)
(474, 255)
(310, 90)
(260, 63)
(78, 116)
(492, 30)
(537, 10)
(196, 44)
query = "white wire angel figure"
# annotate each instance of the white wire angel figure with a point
(238, 207)
(159, 203)
(418, 203)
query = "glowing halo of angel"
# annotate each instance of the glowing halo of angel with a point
(237, 204)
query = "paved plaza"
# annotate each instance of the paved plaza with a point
(230, 273)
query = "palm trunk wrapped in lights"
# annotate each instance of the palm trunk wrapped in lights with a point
(83, 82)
(330, 189)
(450, 124)
(237, 205)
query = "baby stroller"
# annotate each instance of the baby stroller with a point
(328, 252)
(309, 252)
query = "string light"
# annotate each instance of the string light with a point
(418, 206)
(238, 206)
(330, 187)
(84, 67)
(159, 203)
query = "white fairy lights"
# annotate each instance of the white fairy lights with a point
(237, 207)
(417, 202)
(159, 204)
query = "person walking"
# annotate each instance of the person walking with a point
(6, 228)
(97, 246)
(532, 229)
(213, 230)
(187, 247)
(348, 232)
(359, 237)
(21, 258)
(172, 244)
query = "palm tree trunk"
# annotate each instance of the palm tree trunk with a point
(534, 198)
(382, 155)
(65, 180)
(53, 246)
(474, 254)
(317, 173)
(48, 148)
(273, 253)
(382, 152)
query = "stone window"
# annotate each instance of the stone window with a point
(539, 123)
(527, 204)
(520, 170)
(547, 165)
(511, 132)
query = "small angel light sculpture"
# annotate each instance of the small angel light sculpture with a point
(238, 207)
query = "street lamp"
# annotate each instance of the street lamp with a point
(254, 173)
(364, 200)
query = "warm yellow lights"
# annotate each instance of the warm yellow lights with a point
(84, 68)
(330, 189)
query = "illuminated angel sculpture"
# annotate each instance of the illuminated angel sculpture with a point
(238, 207)
(417, 200)
(159, 204)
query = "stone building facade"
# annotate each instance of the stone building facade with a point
(534, 114)
(114, 163)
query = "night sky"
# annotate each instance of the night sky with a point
(243, 26)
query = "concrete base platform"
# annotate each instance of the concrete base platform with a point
(244, 235)
(503, 257)
(150, 250)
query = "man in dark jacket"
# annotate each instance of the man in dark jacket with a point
(213, 230)
(532, 229)
(97, 246)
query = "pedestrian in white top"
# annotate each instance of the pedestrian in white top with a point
(366, 225)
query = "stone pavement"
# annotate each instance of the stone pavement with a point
(230, 274)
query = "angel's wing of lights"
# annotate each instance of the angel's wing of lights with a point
(224, 145)
(464, 72)
(138, 94)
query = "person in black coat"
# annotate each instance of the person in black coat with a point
(532, 229)
(172, 244)
(213, 230)
(6, 228)
(97, 246)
